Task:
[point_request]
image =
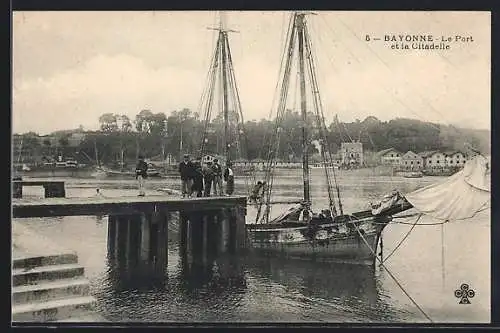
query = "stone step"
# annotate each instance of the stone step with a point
(51, 272)
(85, 316)
(55, 259)
(52, 310)
(49, 290)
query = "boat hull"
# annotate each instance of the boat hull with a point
(328, 242)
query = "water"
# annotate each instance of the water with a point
(257, 289)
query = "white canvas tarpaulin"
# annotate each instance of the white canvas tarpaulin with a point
(460, 196)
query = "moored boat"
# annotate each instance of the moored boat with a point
(413, 174)
(331, 234)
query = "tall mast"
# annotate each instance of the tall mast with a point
(303, 106)
(223, 37)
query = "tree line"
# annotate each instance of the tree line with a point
(158, 135)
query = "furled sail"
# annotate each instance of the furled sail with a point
(460, 196)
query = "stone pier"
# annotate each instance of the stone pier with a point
(137, 237)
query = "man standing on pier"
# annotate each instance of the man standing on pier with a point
(229, 178)
(186, 170)
(141, 173)
(208, 176)
(197, 175)
(218, 190)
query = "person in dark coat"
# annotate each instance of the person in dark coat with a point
(197, 186)
(208, 176)
(218, 190)
(141, 173)
(186, 171)
(229, 178)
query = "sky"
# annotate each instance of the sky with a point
(71, 67)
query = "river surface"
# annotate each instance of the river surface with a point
(429, 265)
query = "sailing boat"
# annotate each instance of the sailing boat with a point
(299, 232)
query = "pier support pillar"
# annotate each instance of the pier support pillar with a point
(17, 190)
(55, 190)
(138, 246)
(240, 228)
(213, 234)
(111, 236)
(159, 242)
(145, 226)
(183, 233)
(197, 237)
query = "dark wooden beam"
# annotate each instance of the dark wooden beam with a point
(50, 207)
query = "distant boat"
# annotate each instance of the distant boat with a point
(413, 174)
(440, 172)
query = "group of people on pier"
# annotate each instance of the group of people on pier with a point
(198, 179)
(202, 180)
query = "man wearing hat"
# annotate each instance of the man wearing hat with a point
(186, 171)
(217, 177)
(208, 176)
(141, 173)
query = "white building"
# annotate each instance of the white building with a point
(351, 153)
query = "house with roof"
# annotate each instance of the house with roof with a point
(455, 158)
(352, 153)
(434, 159)
(412, 161)
(389, 156)
(426, 155)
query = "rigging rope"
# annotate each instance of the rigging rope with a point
(403, 239)
(387, 270)
(327, 158)
(269, 170)
(240, 128)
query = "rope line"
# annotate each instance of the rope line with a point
(404, 238)
(389, 272)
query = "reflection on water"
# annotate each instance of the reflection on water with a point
(351, 289)
(254, 289)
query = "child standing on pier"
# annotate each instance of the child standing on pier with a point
(141, 173)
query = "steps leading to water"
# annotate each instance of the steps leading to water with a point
(52, 310)
(45, 291)
(24, 262)
(50, 288)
